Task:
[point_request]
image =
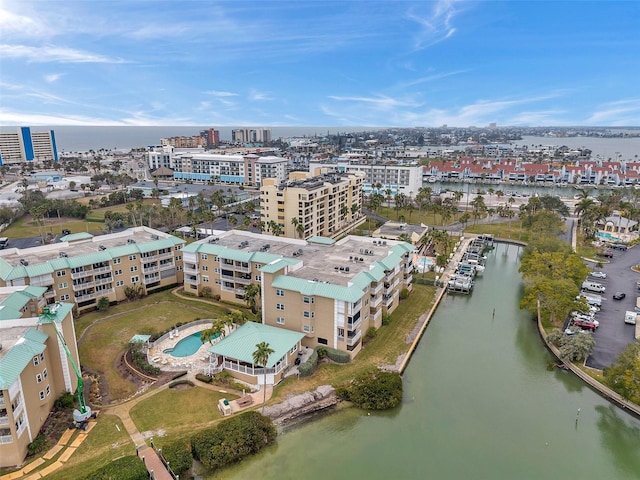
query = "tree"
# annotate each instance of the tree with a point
(251, 291)
(624, 375)
(103, 303)
(261, 357)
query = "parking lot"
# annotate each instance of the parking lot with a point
(613, 334)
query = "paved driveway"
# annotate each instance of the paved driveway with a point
(614, 335)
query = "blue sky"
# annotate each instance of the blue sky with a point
(324, 63)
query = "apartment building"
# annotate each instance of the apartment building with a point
(332, 291)
(378, 177)
(327, 205)
(34, 368)
(27, 146)
(251, 135)
(83, 268)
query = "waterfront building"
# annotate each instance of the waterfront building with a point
(212, 137)
(332, 291)
(194, 141)
(27, 146)
(378, 177)
(83, 268)
(616, 228)
(34, 368)
(251, 135)
(326, 205)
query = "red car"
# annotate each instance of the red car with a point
(584, 324)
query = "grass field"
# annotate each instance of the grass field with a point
(513, 231)
(178, 411)
(109, 332)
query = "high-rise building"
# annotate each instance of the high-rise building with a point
(27, 146)
(327, 205)
(212, 137)
(250, 135)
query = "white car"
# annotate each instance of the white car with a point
(598, 274)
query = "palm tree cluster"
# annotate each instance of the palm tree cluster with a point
(590, 211)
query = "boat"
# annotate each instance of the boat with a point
(432, 180)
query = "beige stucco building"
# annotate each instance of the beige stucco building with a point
(34, 368)
(332, 291)
(326, 205)
(83, 268)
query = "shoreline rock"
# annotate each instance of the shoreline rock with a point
(302, 405)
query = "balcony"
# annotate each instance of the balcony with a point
(351, 341)
(242, 268)
(6, 439)
(47, 294)
(377, 289)
(240, 291)
(4, 421)
(83, 273)
(354, 325)
(82, 286)
(375, 302)
(103, 281)
(408, 279)
(163, 256)
(408, 268)
(41, 281)
(191, 279)
(377, 316)
(230, 278)
(243, 281)
(190, 269)
(98, 270)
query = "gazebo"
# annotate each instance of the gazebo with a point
(234, 353)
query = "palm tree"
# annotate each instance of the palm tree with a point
(250, 293)
(261, 358)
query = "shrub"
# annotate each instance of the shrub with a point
(216, 297)
(125, 468)
(64, 402)
(307, 368)
(373, 390)
(386, 319)
(103, 304)
(206, 292)
(204, 378)
(178, 454)
(232, 439)
(140, 359)
(38, 445)
(371, 334)
(178, 375)
(181, 382)
(404, 293)
(337, 356)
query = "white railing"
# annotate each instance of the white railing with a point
(190, 269)
(42, 281)
(409, 279)
(102, 281)
(244, 281)
(102, 269)
(6, 439)
(354, 325)
(375, 302)
(353, 340)
(377, 315)
(378, 289)
(227, 289)
(81, 286)
(151, 279)
(250, 370)
(240, 268)
(150, 269)
(191, 281)
(83, 273)
(4, 420)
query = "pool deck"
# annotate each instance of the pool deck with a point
(165, 361)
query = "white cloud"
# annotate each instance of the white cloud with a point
(438, 25)
(379, 101)
(621, 113)
(430, 78)
(51, 53)
(52, 77)
(14, 24)
(258, 96)
(220, 93)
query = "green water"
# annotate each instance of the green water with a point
(479, 403)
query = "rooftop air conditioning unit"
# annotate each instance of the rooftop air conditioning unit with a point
(361, 259)
(23, 262)
(63, 254)
(130, 241)
(155, 237)
(102, 247)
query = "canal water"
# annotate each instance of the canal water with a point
(479, 402)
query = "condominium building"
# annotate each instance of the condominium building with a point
(379, 177)
(27, 146)
(199, 166)
(327, 205)
(332, 291)
(251, 135)
(34, 367)
(83, 268)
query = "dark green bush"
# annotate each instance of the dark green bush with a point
(386, 319)
(204, 378)
(38, 445)
(232, 439)
(178, 375)
(64, 402)
(178, 454)
(337, 356)
(139, 358)
(371, 334)
(181, 382)
(404, 293)
(125, 468)
(307, 368)
(373, 390)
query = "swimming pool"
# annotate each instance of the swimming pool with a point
(185, 347)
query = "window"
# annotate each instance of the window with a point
(132, 257)
(178, 257)
(279, 306)
(258, 278)
(308, 314)
(205, 268)
(280, 320)
(308, 329)
(38, 378)
(205, 278)
(323, 341)
(36, 360)
(279, 293)
(203, 256)
(218, 281)
(120, 283)
(48, 390)
(116, 261)
(41, 394)
(118, 272)
(216, 270)
(308, 300)
(42, 357)
(63, 285)
(61, 273)
(64, 297)
(133, 268)
(45, 374)
(135, 279)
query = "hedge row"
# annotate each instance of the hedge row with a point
(373, 390)
(307, 368)
(204, 378)
(178, 375)
(232, 439)
(337, 356)
(181, 382)
(178, 454)
(125, 468)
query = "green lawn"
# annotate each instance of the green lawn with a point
(414, 216)
(178, 411)
(104, 444)
(513, 231)
(110, 331)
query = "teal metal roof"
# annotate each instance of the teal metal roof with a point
(352, 293)
(140, 339)
(402, 247)
(39, 269)
(10, 307)
(278, 265)
(321, 240)
(58, 312)
(12, 364)
(74, 237)
(89, 258)
(241, 344)
(232, 253)
(390, 262)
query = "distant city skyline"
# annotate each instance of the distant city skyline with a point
(305, 63)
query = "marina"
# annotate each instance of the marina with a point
(471, 264)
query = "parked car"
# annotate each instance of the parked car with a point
(598, 274)
(605, 254)
(585, 324)
(619, 246)
(619, 295)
